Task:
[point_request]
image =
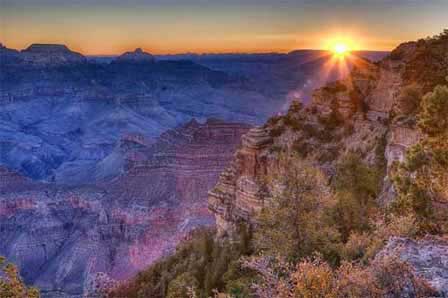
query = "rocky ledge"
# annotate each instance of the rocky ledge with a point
(428, 257)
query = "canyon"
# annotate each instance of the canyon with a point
(62, 114)
(103, 165)
(65, 239)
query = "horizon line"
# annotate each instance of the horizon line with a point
(261, 52)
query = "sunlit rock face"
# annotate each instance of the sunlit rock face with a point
(356, 114)
(63, 237)
(238, 195)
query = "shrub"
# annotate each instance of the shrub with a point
(293, 122)
(433, 118)
(357, 186)
(395, 278)
(199, 266)
(408, 101)
(277, 131)
(301, 147)
(11, 284)
(286, 226)
(314, 278)
(420, 181)
(356, 246)
(181, 286)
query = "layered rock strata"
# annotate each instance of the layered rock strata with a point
(64, 239)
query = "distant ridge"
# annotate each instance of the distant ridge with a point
(137, 56)
(41, 55)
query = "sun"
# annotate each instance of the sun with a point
(341, 46)
(340, 49)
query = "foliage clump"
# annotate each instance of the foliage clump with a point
(314, 278)
(287, 224)
(357, 186)
(197, 268)
(421, 179)
(11, 285)
(427, 65)
(408, 104)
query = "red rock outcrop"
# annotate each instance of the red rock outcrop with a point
(238, 195)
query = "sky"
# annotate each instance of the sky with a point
(109, 27)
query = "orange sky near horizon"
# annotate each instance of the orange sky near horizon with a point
(101, 27)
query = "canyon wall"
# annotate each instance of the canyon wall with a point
(66, 239)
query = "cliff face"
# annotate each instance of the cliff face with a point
(362, 113)
(67, 240)
(238, 195)
(348, 115)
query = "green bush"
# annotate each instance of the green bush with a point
(408, 101)
(277, 131)
(433, 118)
(357, 186)
(292, 122)
(287, 224)
(420, 181)
(11, 284)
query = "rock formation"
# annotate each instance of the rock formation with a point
(237, 196)
(137, 56)
(50, 55)
(64, 239)
(357, 114)
(428, 257)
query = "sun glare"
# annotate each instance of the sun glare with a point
(340, 49)
(341, 46)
